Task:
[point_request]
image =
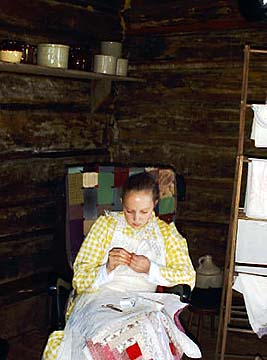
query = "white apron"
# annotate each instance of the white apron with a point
(149, 322)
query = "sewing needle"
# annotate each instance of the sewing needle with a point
(111, 306)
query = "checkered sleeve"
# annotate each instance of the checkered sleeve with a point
(91, 254)
(179, 268)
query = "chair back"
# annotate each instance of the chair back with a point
(92, 189)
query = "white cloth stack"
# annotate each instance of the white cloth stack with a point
(251, 246)
(259, 125)
(256, 191)
(254, 290)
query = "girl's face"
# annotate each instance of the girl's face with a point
(138, 207)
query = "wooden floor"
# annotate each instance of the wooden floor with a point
(236, 343)
(30, 346)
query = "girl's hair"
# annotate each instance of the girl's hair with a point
(139, 182)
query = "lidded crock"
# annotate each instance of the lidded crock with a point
(208, 274)
(53, 55)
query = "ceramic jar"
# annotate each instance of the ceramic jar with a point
(53, 55)
(122, 67)
(10, 51)
(111, 48)
(208, 274)
(105, 64)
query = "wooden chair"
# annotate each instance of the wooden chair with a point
(204, 303)
(90, 190)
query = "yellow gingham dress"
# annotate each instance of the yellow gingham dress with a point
(175, 264)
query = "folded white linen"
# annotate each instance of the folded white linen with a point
(254, 290)
(256, 190)
(251, 270)
(259, 125)
(251, 245)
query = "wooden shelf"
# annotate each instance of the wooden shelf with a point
(242, 216)
(258, 51)
(62, 73)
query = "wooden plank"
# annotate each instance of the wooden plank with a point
(62, 73)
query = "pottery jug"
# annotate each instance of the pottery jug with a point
(208, 274)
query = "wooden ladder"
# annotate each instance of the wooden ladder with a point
(231, 314)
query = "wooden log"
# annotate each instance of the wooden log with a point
(25, 256)
(44, 18)
(20, 219)
(199, 87)
(197, 161)
(204, 238)
(43, 91)
(46, 130)
(156, 128)
(170, 16)
(37, 181)
(193, 48)
(205, 204)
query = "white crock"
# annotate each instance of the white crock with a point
(53, 55)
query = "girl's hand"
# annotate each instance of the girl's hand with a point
(116, 257)
(140, 263)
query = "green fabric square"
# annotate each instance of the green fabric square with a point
(166, 205)
(105, 188)
(75, 169)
